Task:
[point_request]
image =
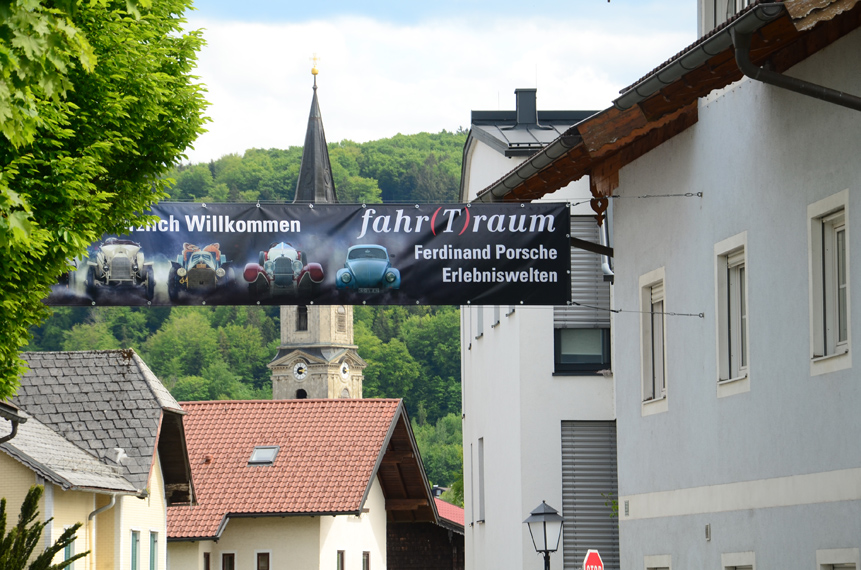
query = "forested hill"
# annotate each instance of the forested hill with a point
(405, 168)
(204, 353)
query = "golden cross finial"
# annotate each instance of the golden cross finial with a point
(315, 59)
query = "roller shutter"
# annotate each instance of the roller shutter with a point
(587, 283)
(588, 470)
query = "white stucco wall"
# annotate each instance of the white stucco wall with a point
(356, 534)
(774, 469)
(513, 401)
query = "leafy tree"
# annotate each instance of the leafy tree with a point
(18, 545)
(90, 336)
(441, 446)
(183, 346)
(96, 101)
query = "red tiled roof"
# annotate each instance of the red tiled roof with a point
(328, 450)
(449, 512)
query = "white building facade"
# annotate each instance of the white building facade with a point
(738, 421)
(537, 383)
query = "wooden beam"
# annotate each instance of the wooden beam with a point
(398, 456)
(591, 246)
(405, 504)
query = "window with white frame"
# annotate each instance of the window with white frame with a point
(69, 551)
(653, 335)
(838, 559)
(153, 550)
(738, 561)
(732, 303)
(481, 480)
(716, 12)
(829, 277)
(136, 550)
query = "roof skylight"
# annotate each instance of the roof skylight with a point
(263, 455)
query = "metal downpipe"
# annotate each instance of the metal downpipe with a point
(741, 41)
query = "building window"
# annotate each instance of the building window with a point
(366, 560)
(719, 11)
(262, 561)
(829, 284)
(206, 565)
(653, 341)
(340, 560)
(228, 561)
(68, 552)
(738, 561)
(301, 394)
(657, 562)
(153, 550)
(838, 559)
(732, 302)
(342, 319)
(301, 318)
(581, 350)
(136, 550)
(480, 479)
(264, 455)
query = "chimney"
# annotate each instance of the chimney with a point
(527, 107)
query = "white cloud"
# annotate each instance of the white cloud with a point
(377, 79)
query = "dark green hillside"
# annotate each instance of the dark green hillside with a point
(405, 168)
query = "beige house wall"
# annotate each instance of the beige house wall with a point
(146, 516)
(72, 507)
(356, 534)
(186, 555)
(102, 530)
(292, 542)
(16, 481)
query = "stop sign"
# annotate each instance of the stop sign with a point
(593, 561)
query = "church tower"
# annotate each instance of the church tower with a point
(317, 357)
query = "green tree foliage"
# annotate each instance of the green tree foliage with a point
(96, 101)
(441, 446)
(17, 546)
(417, 168)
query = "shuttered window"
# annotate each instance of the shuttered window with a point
(589, 482)
(587, 283)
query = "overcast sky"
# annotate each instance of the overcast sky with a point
(389, 67)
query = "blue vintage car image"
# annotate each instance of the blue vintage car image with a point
(368, 270)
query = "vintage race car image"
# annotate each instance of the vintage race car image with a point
(199, 271)
(119, 262)
(282, 270)
(368, 270)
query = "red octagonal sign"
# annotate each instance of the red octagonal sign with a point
(593, 561)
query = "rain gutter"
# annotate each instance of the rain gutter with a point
(741, 41)
(538, 162)
(700, 53)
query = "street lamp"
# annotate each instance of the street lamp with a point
(545, 528)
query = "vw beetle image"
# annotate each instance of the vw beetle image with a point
(199, 271)
(119, 262)
(368, 270)
(282, 270)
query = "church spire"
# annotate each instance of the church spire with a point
(315, 184)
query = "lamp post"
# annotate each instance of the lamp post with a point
(545, 528)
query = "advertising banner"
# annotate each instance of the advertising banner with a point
(282, 254)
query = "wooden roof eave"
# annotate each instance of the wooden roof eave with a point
(609, 140)
(419, 506)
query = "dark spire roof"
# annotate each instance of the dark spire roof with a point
(315, 184)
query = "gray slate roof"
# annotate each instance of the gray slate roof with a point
(98, 400)
(62, 462)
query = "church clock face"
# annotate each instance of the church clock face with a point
(300, 370)
(345, 370)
